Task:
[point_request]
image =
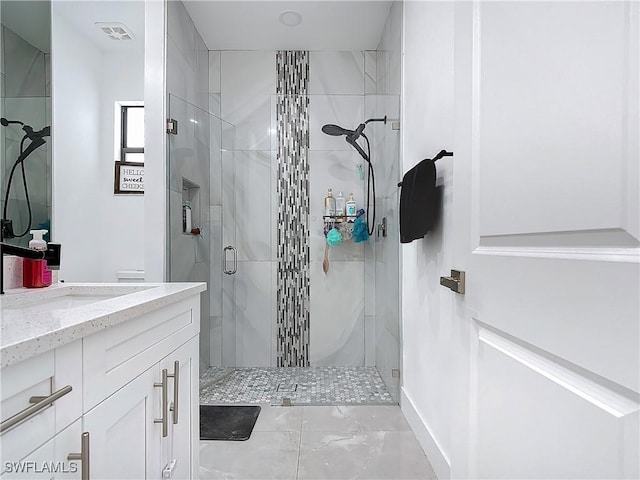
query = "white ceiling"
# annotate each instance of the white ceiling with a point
(83, 15)
(254, 25)
(224, 25)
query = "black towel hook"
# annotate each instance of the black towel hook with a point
(439, 155)
(442, 153)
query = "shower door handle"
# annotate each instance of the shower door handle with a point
(235, 260)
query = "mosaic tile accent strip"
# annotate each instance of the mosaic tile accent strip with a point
(292, 117)
(302, 386)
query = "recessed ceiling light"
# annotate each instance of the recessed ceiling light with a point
(115, 31)
(290, 18)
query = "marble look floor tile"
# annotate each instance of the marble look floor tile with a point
(366, 455)
(336, 419)
(266, 455)
(360, 418)
(279, 419)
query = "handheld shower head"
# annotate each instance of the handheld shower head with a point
(6, 123)
(336, 131)
(30, 133)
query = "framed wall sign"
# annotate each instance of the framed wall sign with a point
(129, 178)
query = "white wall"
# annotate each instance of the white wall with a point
(427, 127)
(155, 196)
(77, 217)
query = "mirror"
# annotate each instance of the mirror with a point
(25, 108)
(95, 71)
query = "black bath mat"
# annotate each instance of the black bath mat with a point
(227, 422)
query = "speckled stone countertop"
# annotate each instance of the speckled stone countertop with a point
(28, 329)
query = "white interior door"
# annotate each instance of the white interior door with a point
(546, 196)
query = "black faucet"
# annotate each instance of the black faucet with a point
(51, 255)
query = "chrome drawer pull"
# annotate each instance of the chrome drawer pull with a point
(33, 409)
(176, 379)
(163, 420)
(83, 456)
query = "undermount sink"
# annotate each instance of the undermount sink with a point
(63, 297)
(70, 300)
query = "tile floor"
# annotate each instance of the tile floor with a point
(320, 442)
(302, 386)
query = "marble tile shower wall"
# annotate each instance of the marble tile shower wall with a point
(189, 153)
(242, 86)
(337, 87)
(25, 89)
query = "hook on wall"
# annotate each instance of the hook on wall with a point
(439, 155)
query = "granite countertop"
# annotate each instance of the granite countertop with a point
(71, 311)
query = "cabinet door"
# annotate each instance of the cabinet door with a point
(182, 442)
(125, 441)
(49, 461)
(40, 376)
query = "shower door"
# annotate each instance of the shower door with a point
(194, 175)
(248, 303)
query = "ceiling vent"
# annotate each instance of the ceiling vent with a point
(115, 31)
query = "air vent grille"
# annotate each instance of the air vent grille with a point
(115, 31)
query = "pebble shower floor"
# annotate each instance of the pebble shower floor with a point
(300, 385)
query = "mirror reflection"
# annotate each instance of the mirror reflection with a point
(25, 111)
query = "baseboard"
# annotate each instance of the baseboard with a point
(432, 450)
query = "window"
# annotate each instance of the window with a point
(129, 148)
(132, 133)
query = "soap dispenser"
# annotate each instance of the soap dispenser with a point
(35, 273)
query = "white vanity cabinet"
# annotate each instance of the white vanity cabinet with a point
(124, 441)
(180, 449)
(126, 429)
(39, 378)
(130, 377)
(120, 417)
(50, 461)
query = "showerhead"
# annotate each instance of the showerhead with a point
(336, 131)
(350, 136)
(28, 130)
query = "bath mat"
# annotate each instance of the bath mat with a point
(227, 422)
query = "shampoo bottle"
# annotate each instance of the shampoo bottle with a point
(186, 217)
(329, 204)
(351, 208)
(35, 273)
(340, 207)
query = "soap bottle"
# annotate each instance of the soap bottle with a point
(329, 204)
(186, 217)
(351, 208)
(35, 273)
(340, 207)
